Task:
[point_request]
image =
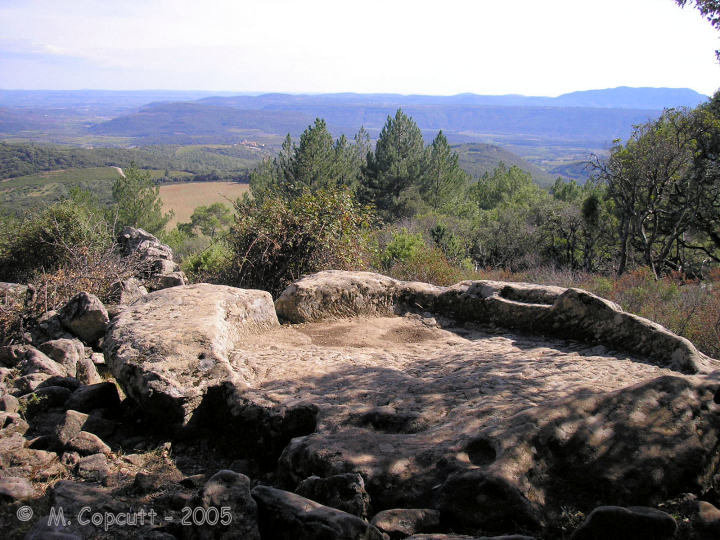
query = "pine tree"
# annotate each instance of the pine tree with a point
(393, 172)
(138, 203)
(444, 182)
(317, 162)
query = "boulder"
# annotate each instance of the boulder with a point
(633, 523)
(85, 316)
(287, 516)
(67, 352)
(169, 347)
(165, 281)
(572, 313)
(72, 496)
(94, 396)
(43, 399)
(94, 468)
(231, 490)
(9, 403)
(14, 489)
(87, 373)
(29, 360)
(706, 520)
(127, 291)
(49, 327)
(345, 492)
(142, 245)
(46, 529)
(403, 522)
(86, 444)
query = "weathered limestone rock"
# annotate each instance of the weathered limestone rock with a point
(93, 468)
(165, 281)
(29, 360)
(337, 294)
(569, 313)
(14, 488)
(634, 523)
(86, 317)
(86, 444)
(479, 431)
(404, 522)
(286, 516)
(706, 520)
(95, 396)
(67, 352)
(345, 492)
(86, 372)
(9, 403)
(140, 243)
(228, 489)
(127, 291)
(169, 347)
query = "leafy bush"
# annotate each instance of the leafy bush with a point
(402, 248)
(209, 263)
(429, 265)
(277, 240)
(45, 240)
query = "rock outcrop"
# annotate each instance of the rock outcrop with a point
(170, 346)
(387, 409)
(567, 313)
(154, 261)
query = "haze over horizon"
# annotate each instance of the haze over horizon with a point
(526, 48)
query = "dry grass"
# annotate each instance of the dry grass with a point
(184, 198)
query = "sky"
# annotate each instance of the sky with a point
(530, 47)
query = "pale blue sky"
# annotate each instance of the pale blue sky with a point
(528, 47)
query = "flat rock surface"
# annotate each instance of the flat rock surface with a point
(352, 365)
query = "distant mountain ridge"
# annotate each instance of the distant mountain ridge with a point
(623, 97)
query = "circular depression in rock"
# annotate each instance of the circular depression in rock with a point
(481, 451)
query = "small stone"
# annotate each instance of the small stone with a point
(230, 489)
(345, 492)
(286, 515)
(14, 489)
(87, 372)
(85, 444)
(403, 522)
(93, 468)
(66, 352)
(29, 383)
(95, 396)
(632, 523)
(707, 521)
(85, 316)
(9, 403)
(44, 399)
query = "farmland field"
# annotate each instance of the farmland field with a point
(184, 198)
